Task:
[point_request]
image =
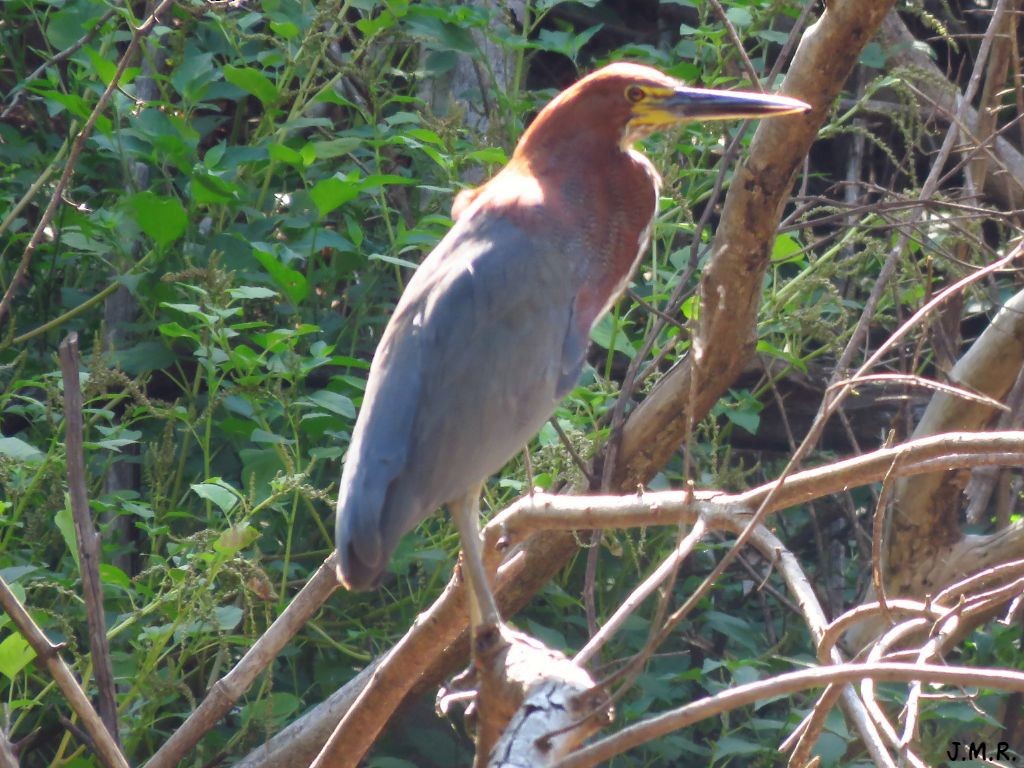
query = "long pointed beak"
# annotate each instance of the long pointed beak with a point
(701, 104)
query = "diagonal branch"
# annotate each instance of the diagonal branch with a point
(226, 692)
(732, 284)
(106, 747)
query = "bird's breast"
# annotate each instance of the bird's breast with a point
(597, 218)
(616, 231)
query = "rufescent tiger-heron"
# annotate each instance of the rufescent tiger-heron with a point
(492, 329)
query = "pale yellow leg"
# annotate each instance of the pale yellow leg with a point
(483, 611)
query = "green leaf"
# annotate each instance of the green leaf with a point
(424, 24)
(285, 29)
(786, 248)
(369, 27)
(66, 525)
(873, 56)
(333, 402)
(330, 193)
(252, 81)
(65, 26)
(12, 574)
(252, 292)
(112, 575)
(15, 655)
(280, 153)
(19, 450)
(345, 145)
(396, 260)
(106, 69)
(143, 357)
(219, 493)
(235, 539)
(565, 42)
(272, 711)
(210, 188)
(228, 617)
(162, 218)
(291, 282)
(605, 335)
(262, 436)
(116, 438)
(744, 411)
(727, 746)
(175, 330)
(740, 17)
(193, 75)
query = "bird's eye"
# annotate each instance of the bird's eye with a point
(635, 93)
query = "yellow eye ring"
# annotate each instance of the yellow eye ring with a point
(634, 94)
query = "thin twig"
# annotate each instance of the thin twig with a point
(15, 94)
(87, 536)
(734, 38)
(927, 191)
(641, 593)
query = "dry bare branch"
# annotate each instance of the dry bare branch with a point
(86, 535)
(1006, 186)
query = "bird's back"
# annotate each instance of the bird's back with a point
(480, 350)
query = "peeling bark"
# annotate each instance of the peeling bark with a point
(536, 705)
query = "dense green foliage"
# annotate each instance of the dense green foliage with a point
(255, 194)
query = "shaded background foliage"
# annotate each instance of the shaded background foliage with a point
(237, 232)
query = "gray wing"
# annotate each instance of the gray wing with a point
(482, 347)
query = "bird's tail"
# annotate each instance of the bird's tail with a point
(357, 533)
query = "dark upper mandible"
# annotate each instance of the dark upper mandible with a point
(491, 331)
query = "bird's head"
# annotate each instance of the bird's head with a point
(625, 102)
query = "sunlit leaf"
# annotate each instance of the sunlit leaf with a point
(330, 193)
(15, 655)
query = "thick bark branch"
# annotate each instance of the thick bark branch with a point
(732, 284)
(925, 528)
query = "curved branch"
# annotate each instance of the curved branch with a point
(539, 512)
(783, 685)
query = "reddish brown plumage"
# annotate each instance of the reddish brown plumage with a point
(574, 170)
